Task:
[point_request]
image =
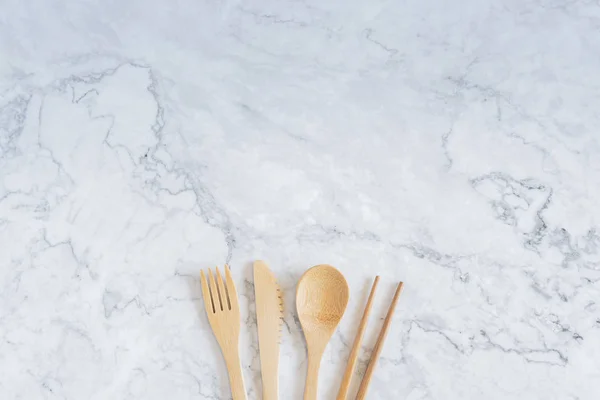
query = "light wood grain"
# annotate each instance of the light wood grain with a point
(321, 299)
(364, 385)
(269, 316)
(343, 392)
(223, 311)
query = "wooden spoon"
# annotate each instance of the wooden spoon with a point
(321, 299)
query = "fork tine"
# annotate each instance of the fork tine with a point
(208, 303)
(223, 293)
(214, 292)
(220, 290)
(231, 291)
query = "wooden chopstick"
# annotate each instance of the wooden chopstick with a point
(364, 385)
(343, 393)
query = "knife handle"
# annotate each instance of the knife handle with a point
(270, 384)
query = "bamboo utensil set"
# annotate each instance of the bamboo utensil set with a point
(321, 299)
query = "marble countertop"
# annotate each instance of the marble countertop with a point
(451, 146)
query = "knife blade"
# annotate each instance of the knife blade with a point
(269, 317)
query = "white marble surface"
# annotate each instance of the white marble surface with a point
(452, 145)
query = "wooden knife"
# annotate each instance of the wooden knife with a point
(269, 317)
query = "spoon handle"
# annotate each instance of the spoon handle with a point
(312, 376)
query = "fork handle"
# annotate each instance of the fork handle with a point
(236, 377)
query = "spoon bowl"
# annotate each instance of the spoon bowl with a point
(321, 299)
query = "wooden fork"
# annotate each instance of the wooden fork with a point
(223, 310)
